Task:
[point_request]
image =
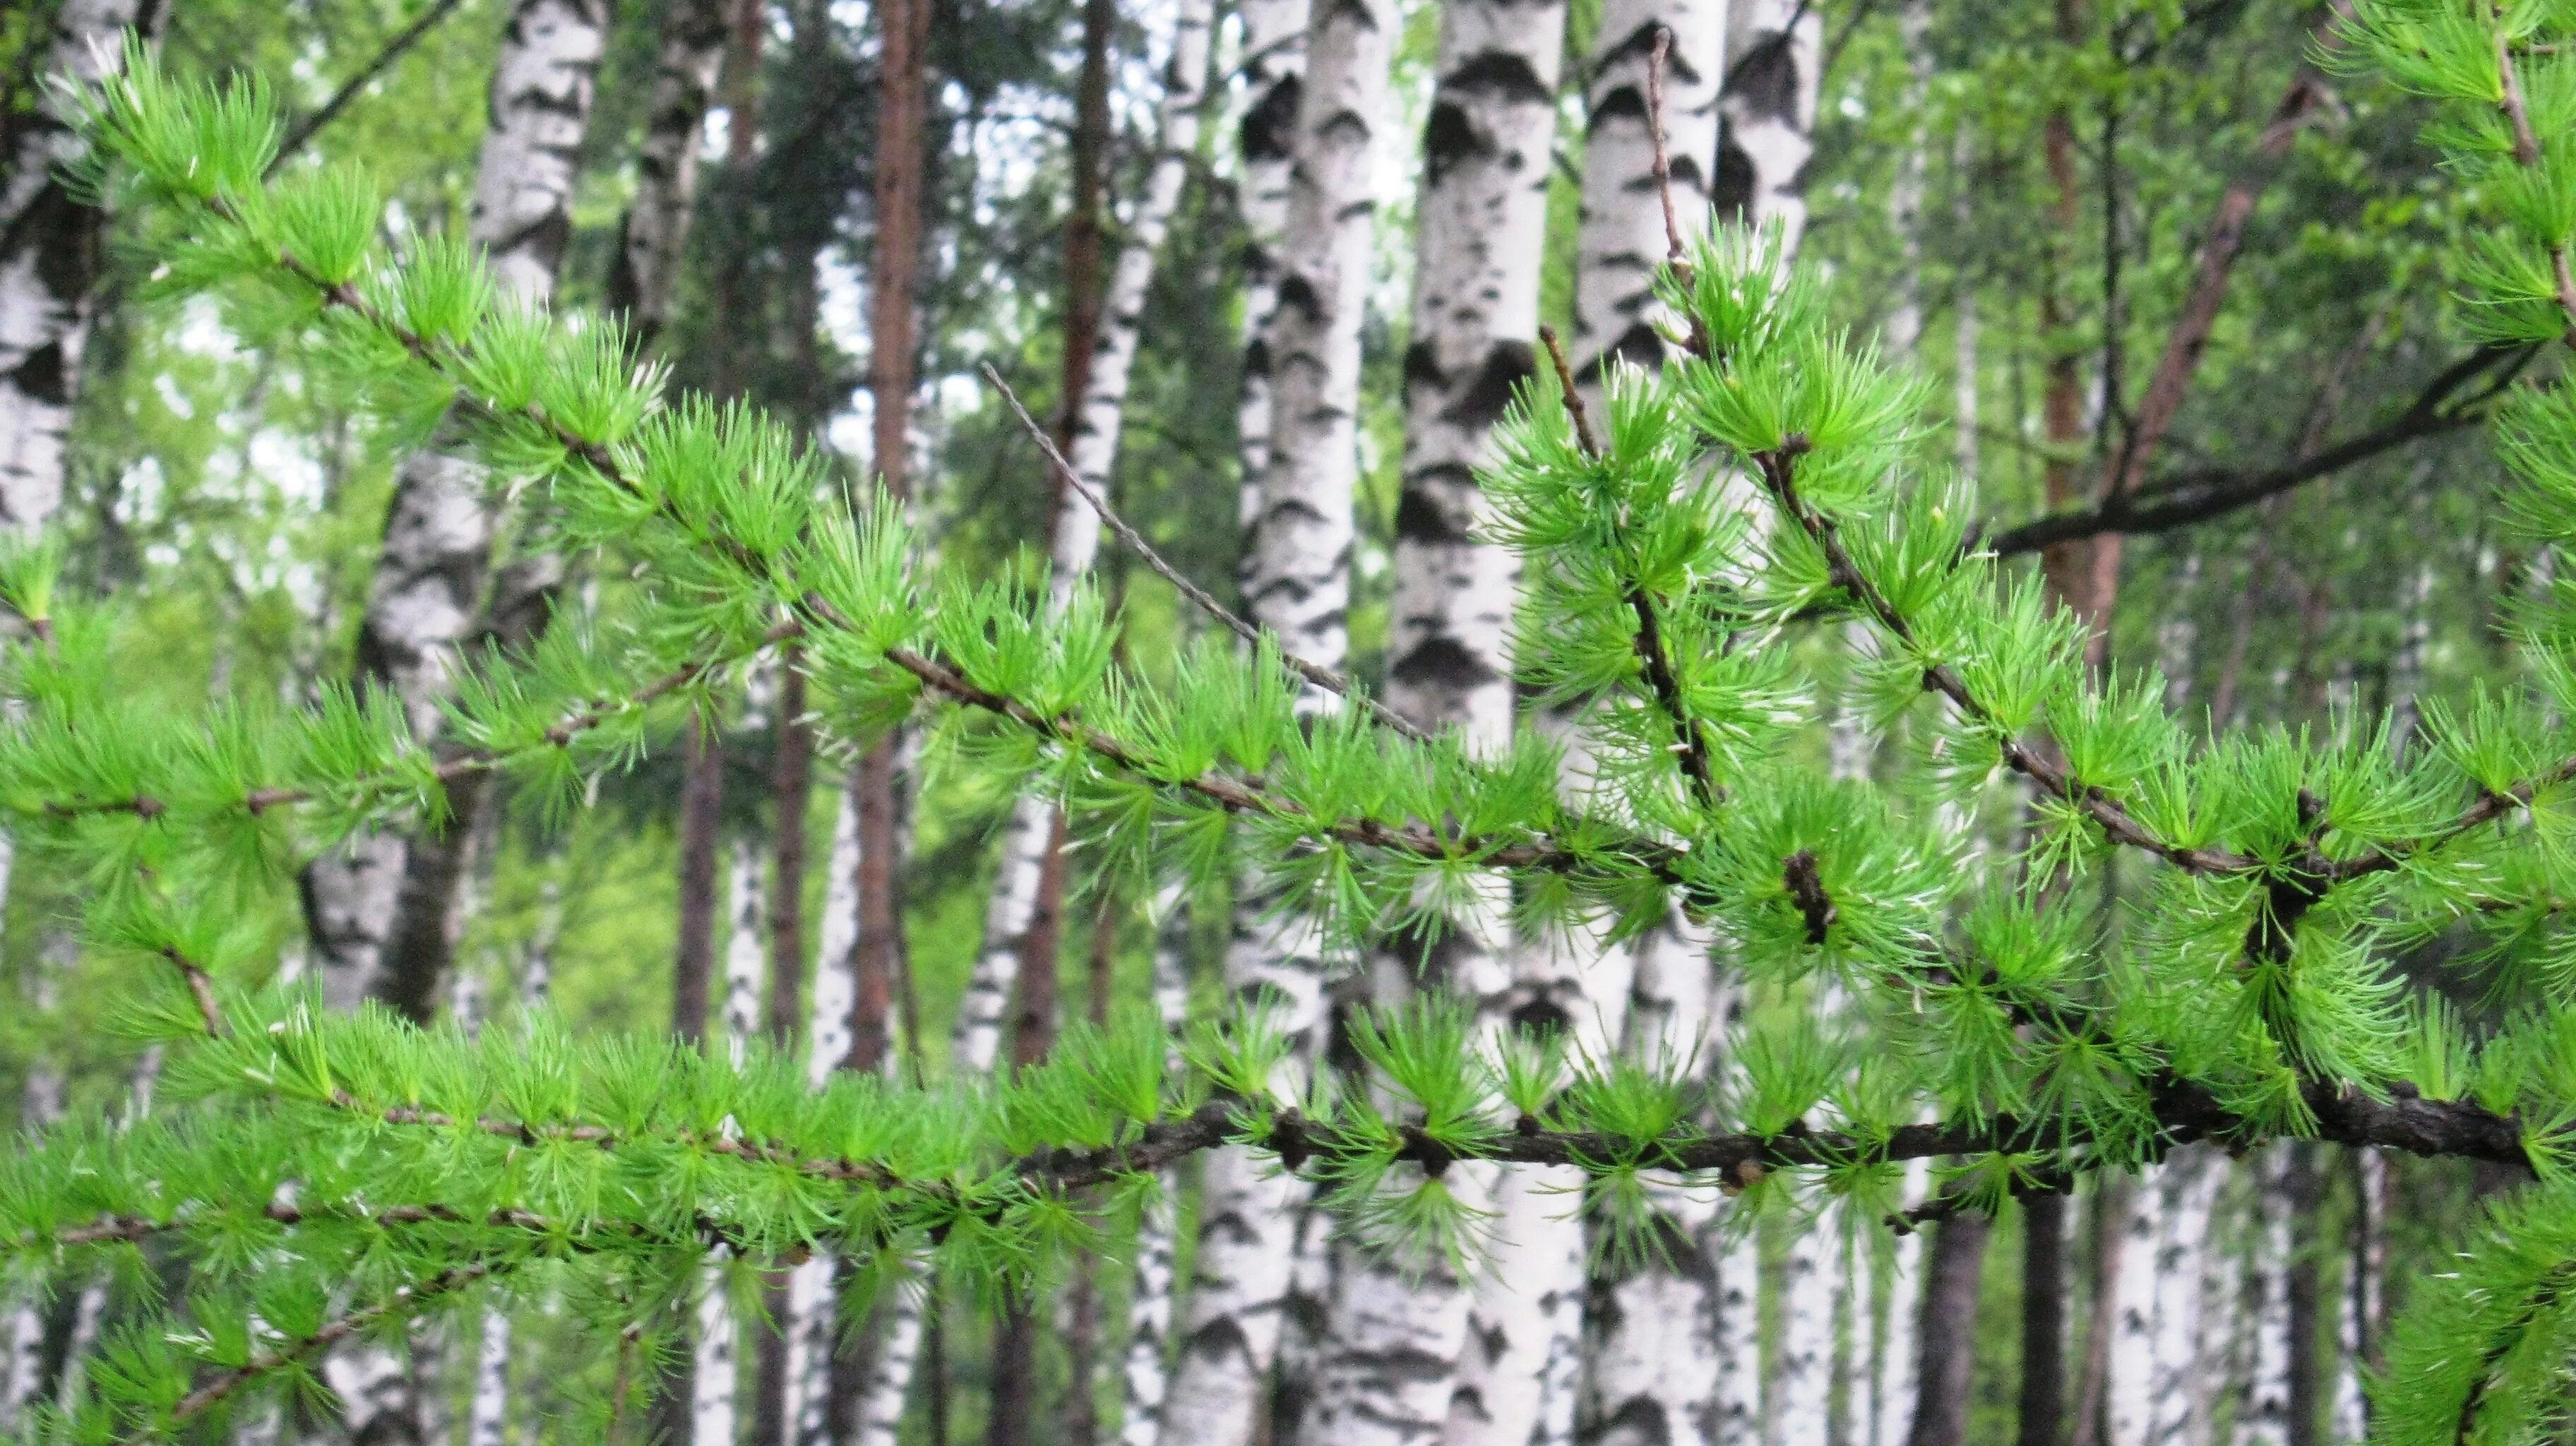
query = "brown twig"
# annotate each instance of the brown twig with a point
(393, 50)
(1315, 673)
(1565, 386)
(1673, 250)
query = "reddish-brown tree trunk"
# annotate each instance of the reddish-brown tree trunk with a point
(701, 816)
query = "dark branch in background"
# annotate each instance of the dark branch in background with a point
(1322, 677)
(394, 50)
(2199, 497)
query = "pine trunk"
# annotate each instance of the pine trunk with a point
(424, 606)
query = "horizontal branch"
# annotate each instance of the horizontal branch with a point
(2201, 497)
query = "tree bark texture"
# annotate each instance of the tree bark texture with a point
(1652, 1330)
(1774, 62)
(428, 600)
(2045, 1284)
(1274, 75)
(653, 237)
(49, 261)
(1482, 213)
(1950, 1293)
(1622, 239)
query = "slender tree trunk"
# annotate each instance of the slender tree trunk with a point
(813, 1320)
(774, 1412)
(1146, 1373)
(2301, 1185)
(1017, 892)
(1652, 1332)
(1382, 1374)
(701, 822)
(876, 1386)
(1274, 75)
(426, 599)
(653, 236)
(2111, 1214)
(1246, 1250)
(2265, 1417)
(1649, 1381)
(1479, 240)
(49, 261)
(49, 267)
(1622, 239)
(2044, 1290)
(1950, 1294)
(1774, 54)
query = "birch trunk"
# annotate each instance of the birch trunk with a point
(1896, 1379)
(49, 261)
(1261, 1259)
(714, 1375)
(427, 597)
(1622, 238)
(813, 1304)
(2157, 1383)
(1653, 1344)
(2365, 1283)
(1799, 1400)
(2264, 1418)
(2132, 1385)
(1774, 55)
(1076, 534)
(653, 236)
(40, 1104)
(1388, 1344)
(1482, 217)
(1145, 1376)
(49, 264)
(1274, 75)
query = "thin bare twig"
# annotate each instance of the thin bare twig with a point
(1655, 132)
(394, 50)
(1315, 673)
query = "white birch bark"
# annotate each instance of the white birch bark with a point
(427, 593)
(1811, 1282)
(2264, 1417)
(1145, 1377)
(1652, 1334)
(746, 956)
(1964, 336)
(1773, 61)
(2131, 1385)
(1259, 1258)
(1274, 73)
(1896, 1380)
(655, 233)
(978, 1037)
(1904, 327)
(49, 246)
(2365, 1279)
(1622, 240)
(48, 261)
(1740, 1416)
(488, 1414)
(1247, 1220)
(1479, 240)
(714, 1380)
(813, 1305)
(2158, 1377)
(890, 1371)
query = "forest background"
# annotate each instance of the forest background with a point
(2176, 290)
